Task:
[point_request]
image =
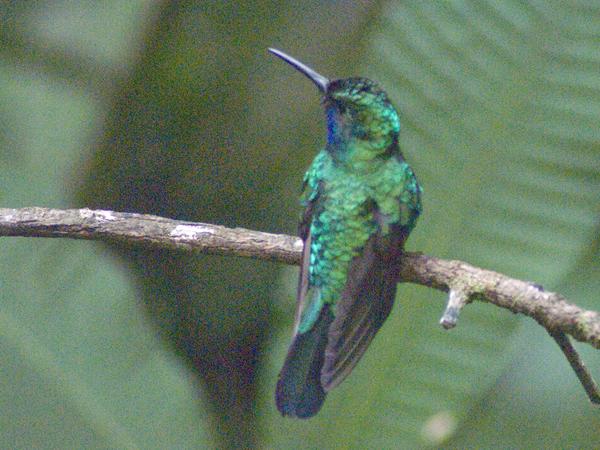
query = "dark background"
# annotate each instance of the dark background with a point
(176, 109)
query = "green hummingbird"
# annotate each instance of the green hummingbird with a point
(361, 202)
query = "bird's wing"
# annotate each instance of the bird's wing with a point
(312, 197)
(303, 281)
(365, 302)
(299, 392)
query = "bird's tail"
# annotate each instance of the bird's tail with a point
(299, 392)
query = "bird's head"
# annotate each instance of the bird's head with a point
(359, 113)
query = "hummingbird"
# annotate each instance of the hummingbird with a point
(361, 201)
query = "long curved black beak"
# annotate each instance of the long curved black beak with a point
(316, 78)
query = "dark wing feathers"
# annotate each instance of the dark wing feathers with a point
(299, 392)
(301, 295)
(365, 303)
(304, 233)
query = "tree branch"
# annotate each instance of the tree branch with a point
(549, 309)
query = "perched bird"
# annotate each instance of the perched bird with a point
(361, 202)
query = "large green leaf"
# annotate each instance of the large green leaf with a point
(499, 105)
(81, 367)
(499, 121)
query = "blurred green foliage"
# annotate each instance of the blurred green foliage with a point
(174, 108)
